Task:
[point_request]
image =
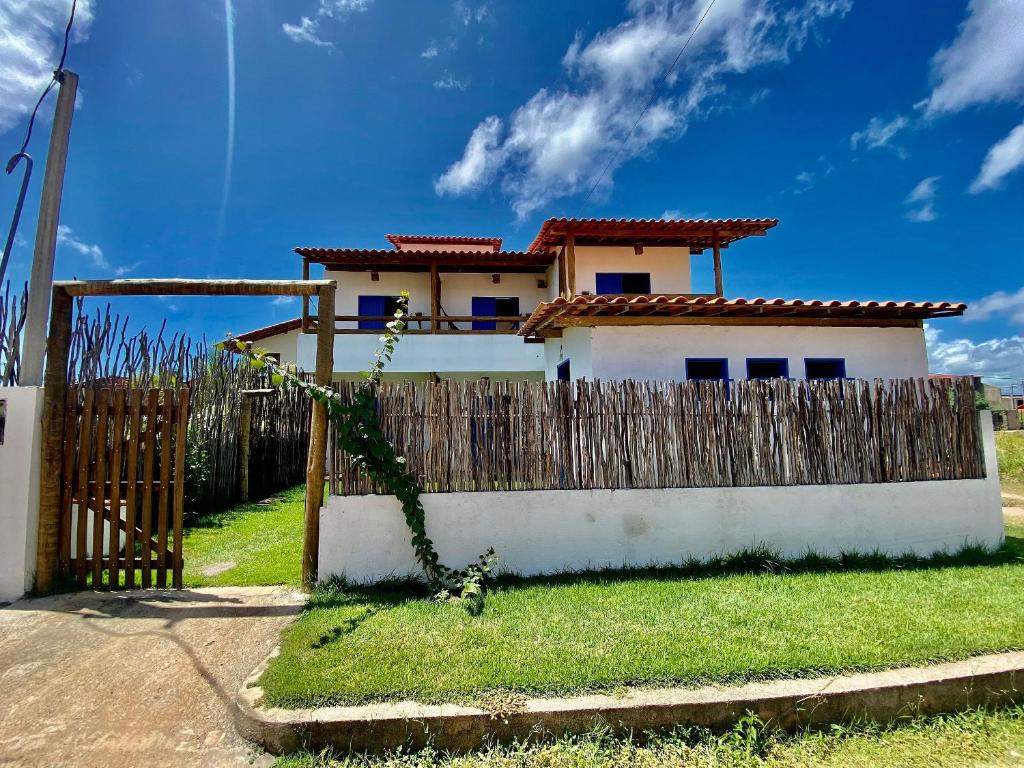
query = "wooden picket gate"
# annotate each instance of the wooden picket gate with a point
(123, 494)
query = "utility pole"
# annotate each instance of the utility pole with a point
(41, 280)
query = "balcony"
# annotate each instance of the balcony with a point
(420, 323)
(476, 353)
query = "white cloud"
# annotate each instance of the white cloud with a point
(306, 32)
(922, 200)
(675, 214)
(998, 360)
(284, 301)
(479, 161)
(66, 237)
(998, 303)
(985, 62)
(308, 29)
(31, 34)
(429, 52)
(807, 180)
(880, 133)
(1003, 158)
(560, 141)
(450, 83)
(467, 14)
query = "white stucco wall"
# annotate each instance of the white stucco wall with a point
(352, 285)
(486, 354)
(19, 489)
(459, 288)
(660, 352)
(284, 344)
(669, 267)
(365, 538)
(575, 345)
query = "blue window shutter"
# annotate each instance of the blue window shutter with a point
(484, 306)
(372, 306)
(609, 282)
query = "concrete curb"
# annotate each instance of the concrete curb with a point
(879, 696)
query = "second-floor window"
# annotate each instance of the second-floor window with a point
(623, 282)
(495, 306)
(377, 306)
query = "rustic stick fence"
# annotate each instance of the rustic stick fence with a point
(484, 436)
(103, 352)
(13, 309)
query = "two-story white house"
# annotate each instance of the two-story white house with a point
(594, 298)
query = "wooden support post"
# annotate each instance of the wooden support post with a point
(570, 265)
(716, 244)
(41, 278)
(561, 273)
(52, 448)
(244, 427)
(305, 299)
(435, 298)
(317, 463)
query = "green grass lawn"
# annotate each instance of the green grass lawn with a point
(974, 738)
(1010, 452)
(600, 631)
(264, 541)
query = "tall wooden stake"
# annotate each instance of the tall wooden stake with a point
(41, 280)
(52, 448)
(317, 462)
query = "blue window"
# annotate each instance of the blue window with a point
(824, 368)
(563, 371)
(377, 306)
(707, 369)
(623, 282)
(767, 368)
(494, 306)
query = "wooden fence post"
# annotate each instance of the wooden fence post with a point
(244, 427)
(317, 462)
(52, 447)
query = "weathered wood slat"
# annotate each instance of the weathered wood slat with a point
(483, 435)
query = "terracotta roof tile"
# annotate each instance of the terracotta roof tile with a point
(695, 233)
(549, 314)
(494, 243)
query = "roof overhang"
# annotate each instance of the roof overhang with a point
(271, 330)
(486, 243)
(352, 260)
(689, 309)
(695, 234)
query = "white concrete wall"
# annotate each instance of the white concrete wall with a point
(575, 345)
(459, 288)
(669, 267)
(284, 344)
(365, 538)
(660, 352)
(19, 489)
(352, 285)
(483, 354)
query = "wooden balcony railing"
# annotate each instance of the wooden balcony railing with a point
(439, 324)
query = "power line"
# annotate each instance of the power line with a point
(647, 106)
(55, 79)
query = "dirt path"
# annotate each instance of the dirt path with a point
(133, 679)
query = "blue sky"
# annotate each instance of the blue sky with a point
(888, 139)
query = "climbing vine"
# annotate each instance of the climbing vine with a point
(360, 435)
